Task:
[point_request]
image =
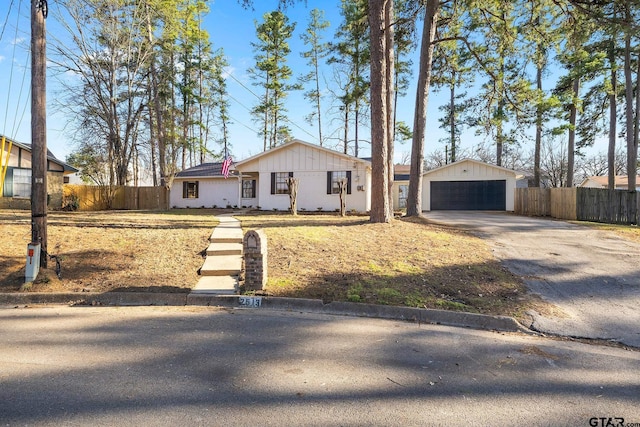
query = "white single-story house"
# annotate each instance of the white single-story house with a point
(205, 186)
(15, 175)
(260, 181)
(621, 182)
(468, 185)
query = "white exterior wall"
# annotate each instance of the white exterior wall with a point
(396, 193)
(469, 171)
(218, 192)
(310, 166)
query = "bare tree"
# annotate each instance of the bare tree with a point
(554, 162)
(107, 51)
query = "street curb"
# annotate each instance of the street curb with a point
(418, 315)
(92, 298)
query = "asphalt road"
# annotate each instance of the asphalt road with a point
(593, 276)
(167, 366)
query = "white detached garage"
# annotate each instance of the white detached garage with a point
(468, 185)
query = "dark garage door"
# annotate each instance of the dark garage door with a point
(468, 195)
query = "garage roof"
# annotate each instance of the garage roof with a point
(471, 161)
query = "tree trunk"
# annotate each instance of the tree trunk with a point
(571, 146)
(318, 109)
(342, 185)
(500, 113)
(414, 196)
(356, 118)
(379, 143)
(538, 143)
(292, 184)
(154, 100)
(452, 120)
(389, 84)
(613, 118)
(346, 128)
(630, 131)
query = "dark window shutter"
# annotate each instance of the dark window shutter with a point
(197, 189)
(253, 188)
(348, 182)
(185, 186)
(273, 183)
(329, 174)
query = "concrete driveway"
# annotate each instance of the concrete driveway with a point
(592, 276)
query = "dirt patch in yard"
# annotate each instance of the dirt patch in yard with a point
(408, 262)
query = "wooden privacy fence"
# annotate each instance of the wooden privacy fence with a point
(613, 207)
(95, 198)
(563, 203)
(584, 204)
(533, 201)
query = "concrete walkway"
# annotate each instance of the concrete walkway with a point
(223, 263)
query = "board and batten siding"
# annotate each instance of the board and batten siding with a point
(310, 166)
(212, 192)
(468, 170)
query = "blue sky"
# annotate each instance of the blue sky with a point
(233, 28)
(230, 27)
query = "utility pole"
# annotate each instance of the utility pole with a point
(39, 10)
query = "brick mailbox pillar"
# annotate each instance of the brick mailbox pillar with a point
(255, 260)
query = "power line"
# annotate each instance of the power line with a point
(303, 130)
(13, 56)
(243, 85)
(241, 104)
(239, 122)
(6, 20)
(16, 122)
(254, 94)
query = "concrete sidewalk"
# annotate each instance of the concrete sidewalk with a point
(223, 263)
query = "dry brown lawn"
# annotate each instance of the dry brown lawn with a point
(106, 251)
(407, 262)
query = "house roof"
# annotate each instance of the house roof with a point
(511, 171)
(50, 156)
(620, 181)
(401, 172)
(300, 142)
(205, 170)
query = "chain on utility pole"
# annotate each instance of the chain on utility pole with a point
(39, 9)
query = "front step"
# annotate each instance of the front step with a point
(225, 285)
(221, 265)
(217, 248)
(226, 235)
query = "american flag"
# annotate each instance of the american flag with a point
(226, 165)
